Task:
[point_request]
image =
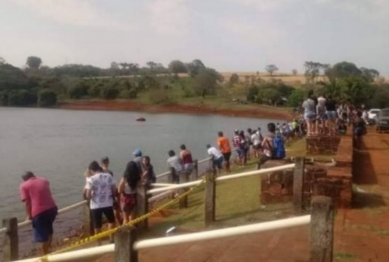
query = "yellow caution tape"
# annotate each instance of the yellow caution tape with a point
(109, 232)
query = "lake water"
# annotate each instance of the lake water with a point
(59, 144)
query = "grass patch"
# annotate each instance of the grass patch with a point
(345, 256)
(237, 203)
(298, 148)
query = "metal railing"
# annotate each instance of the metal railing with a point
(181, 239)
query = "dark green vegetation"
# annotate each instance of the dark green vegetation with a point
(344, 81)
(182, 83)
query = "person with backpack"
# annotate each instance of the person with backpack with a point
(273, 146)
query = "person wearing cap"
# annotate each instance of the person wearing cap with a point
(41, 208)
(138, 157)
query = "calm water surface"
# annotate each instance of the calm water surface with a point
(59, 144)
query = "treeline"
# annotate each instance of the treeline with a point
(344, 81)
(43, 86)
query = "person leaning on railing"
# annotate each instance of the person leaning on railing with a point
(175, 165)
(40, 208)
(100, 190)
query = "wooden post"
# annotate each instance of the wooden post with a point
(298, 185)
(88, 223)
(170, 178)
(184, 200)
(124, 242)
(11, 240)
(142, 206)
(322, 229)
(210, 196)
(196, 168)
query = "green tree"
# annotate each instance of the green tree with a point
(109, 92)
(252, 94)
(269, 96)
(234, 79)
(34, 62)
(370, 74)
(195, 67)
(345, 69)
(296, 98)
(205, 82)
(2, 61)
(47, 98)
(176, 67)
(13, 78)
(79, 90)
(271, 69)
(294, 72)
(380, 98)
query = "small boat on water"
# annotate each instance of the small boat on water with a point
(141, 119)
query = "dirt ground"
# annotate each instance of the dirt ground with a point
(361, 233)
(117, 105)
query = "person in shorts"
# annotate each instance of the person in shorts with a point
(309, 106)
(331, 115)
(175, 165)
(116, 207)
(225, 148)
(40, 208)
(186, 157)
(256, 139)
(101, 190)
(127, 190)
(237, 142)
(217, 158)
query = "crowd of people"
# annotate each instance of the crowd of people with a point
(117, 201)
(324, 116)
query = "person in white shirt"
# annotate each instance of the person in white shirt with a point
(256, 140)
(100, 190)
(217, 157)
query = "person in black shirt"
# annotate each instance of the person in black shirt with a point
(331, 114)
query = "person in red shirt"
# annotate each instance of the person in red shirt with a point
(40, 208)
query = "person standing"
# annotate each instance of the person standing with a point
(40, 207)
(309, 106)
(225, 148)
(116, 203)
(237, 142)
(148, 175)
(256, 139)
(101, 189)
(186, 157)
(138, 157)
(217, 158)
(127, 190)
(331, 115)
(175, 165)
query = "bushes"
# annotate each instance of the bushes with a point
(109, 93)
(47, 98)
(159, 96)
(21, 98)
(78, 91)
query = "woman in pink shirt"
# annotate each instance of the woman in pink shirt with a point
(40, 208)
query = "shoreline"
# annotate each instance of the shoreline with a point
(132, 106)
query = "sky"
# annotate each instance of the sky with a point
(228, 35)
